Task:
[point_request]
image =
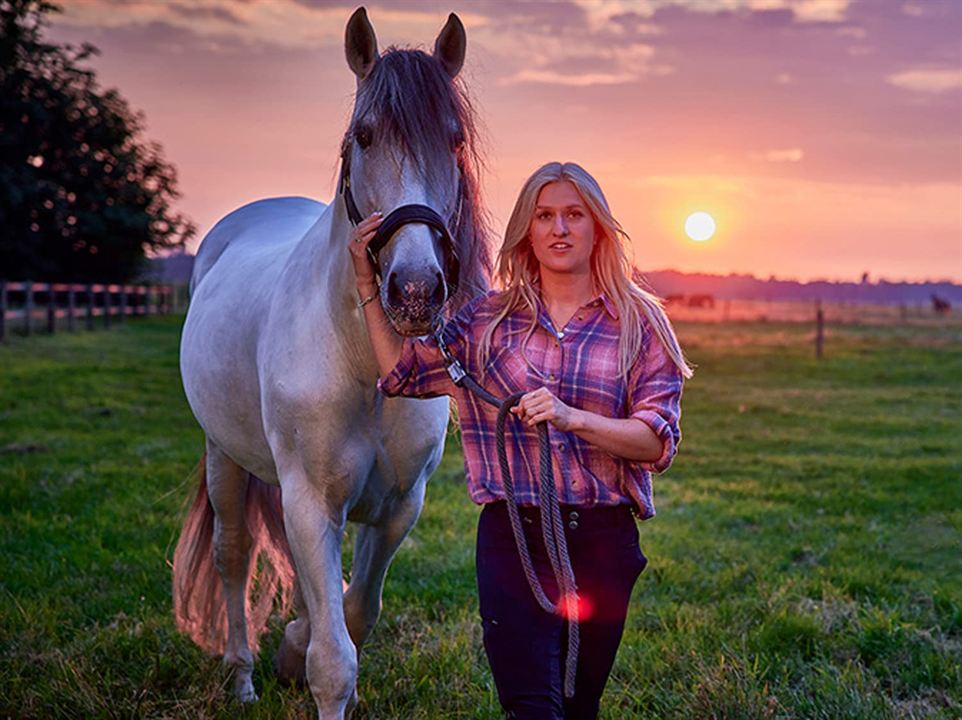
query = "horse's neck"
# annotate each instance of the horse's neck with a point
(335, 257)
(329, 285)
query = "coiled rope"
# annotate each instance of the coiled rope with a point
(552, 526)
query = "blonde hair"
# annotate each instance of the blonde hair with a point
(518, 271)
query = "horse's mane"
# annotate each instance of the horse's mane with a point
(414, 100)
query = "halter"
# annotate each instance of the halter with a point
(399, 217)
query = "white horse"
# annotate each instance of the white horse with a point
(279, 371)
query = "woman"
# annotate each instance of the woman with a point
(600, 364)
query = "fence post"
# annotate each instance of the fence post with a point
(90, 306)
(819, 329)
(51, 309)
(27, 307)
(123, 303)
(71, 307)
(107, 306)
(3, 310)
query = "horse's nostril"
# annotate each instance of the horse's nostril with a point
(393, 290)
(437, 294)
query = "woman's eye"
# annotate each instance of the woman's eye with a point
(576, 214)
(544, 215)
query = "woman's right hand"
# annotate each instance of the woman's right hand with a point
(385, 342)
(360, 237)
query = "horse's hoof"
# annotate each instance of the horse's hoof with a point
(289, 671)
(248, 697)
(244, 692)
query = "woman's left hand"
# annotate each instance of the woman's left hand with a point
(542, 405)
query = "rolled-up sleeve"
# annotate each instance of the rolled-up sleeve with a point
(420, 371)
(655, 399)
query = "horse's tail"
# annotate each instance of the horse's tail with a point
(199, 607)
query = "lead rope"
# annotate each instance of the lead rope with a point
(552, 525)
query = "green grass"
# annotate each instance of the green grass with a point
(806, 561)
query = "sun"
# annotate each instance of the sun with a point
(700, 226)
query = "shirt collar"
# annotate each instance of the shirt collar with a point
(607, 303)
(600, 299)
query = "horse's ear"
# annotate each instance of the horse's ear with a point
(451, 44)
(360, 44)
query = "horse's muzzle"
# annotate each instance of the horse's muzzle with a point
(413, 302)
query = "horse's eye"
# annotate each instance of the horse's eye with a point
(363, 137)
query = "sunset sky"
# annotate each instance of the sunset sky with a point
(823, 136)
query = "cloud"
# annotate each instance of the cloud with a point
(202, 12)
(557, 78)
(913, 9)
(852, 31)
(803, 11)
(819, 10)
(276, 24)
(292, 24)
(928, 81)
(574, 56)
(792, 155)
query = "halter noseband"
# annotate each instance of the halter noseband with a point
(395, 220)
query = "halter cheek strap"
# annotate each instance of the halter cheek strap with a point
(344, 188)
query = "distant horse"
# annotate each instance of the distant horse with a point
(703, 300)
(940, 305)
(279, 371)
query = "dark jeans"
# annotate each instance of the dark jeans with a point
(526, 647)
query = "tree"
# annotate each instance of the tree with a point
(83, 196)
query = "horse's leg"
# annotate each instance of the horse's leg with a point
(227, 489)
(289, 661)
(315, 533)
(374, 549)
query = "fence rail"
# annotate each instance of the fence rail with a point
(804, 311)
(27, 306)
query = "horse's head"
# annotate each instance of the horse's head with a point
(408, 149)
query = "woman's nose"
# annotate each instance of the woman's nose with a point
(560, 226)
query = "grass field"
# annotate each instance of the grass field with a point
(806, 561)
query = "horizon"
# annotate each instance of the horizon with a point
(756, 111)
(771, 278)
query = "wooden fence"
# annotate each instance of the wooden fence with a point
(817, 312)
(805, 311)
(29, 306)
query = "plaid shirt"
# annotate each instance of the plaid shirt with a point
(580, 366)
